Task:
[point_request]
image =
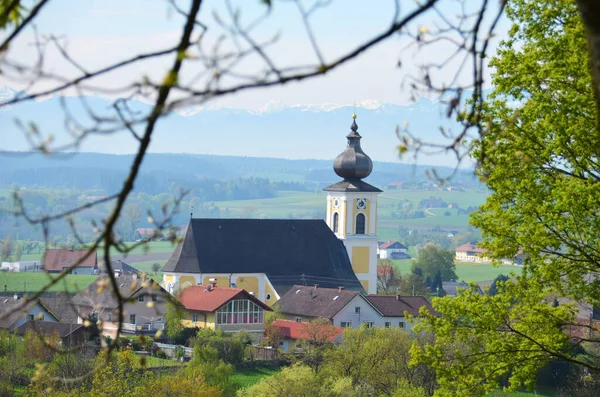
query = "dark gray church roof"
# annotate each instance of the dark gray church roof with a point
(288, 251)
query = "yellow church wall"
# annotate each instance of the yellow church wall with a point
(169, 279)
(269, 290)
(186, 279)
(249, 283)
(360, 259)
(365, 284)
(222, 281)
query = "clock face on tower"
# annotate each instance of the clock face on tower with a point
(336, 203)
(361, 204)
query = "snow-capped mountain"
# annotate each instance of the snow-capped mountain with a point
(296, 131)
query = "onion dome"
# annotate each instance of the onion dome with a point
(353, 163)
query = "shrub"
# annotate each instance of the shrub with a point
(161, 353)
(179, 353)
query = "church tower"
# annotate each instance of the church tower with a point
(352, 209)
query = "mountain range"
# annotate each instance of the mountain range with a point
(275, 130)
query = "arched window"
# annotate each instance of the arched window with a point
(360, 224)
(335, 222)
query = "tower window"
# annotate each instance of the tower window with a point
(335, 222)
(360, 224)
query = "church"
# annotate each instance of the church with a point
(266, 257)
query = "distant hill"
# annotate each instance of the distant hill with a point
(161, 172)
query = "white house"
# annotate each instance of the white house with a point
(349, 308)
(20, 266)
(392, 250)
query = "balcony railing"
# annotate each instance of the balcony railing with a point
(148, 327)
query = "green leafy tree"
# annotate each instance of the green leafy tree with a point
(539, 159)
(433, 260)
(413, 284)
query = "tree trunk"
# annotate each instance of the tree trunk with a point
(590, 15)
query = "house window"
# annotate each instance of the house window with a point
(357, 310)
(194, 318)
(345, 324)
(241, 311)
(401, 324)
(268, 297)
(132, 318)
(298, 320)
(370, 324)
(109, 317)
(141, 298)
(388, 324)
(335, 222)
(154, 298)
(30, 317)
(360, 224)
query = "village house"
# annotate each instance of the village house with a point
(143, 312)
(392, 250)
(57, 260)
(342, 307)
(71, 335)
(293, 334)
(394, 309)
(470, 252)
(16, 311)
(225, 308)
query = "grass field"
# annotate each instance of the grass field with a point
(146, 267)
(33, 282)
(469, 272)
(249, 377)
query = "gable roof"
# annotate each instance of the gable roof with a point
(58, 259)
(205, 299)
(48, 327)
(288, 251)
(60, 304)
(392, 244)
(119, 266)
(293, 330)
(470, 247)
(395, 306)
(129, 285)
(315, 302)
(12, 310)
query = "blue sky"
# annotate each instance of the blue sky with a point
(98, 32)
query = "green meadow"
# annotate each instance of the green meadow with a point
(469, 272)
(34, 282)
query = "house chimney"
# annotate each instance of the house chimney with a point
(316, 286)
(398, 297)
(213, 282)
(16, 297)
(251, 293)
(340, 288)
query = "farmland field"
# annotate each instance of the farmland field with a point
(469, 272)
(33, 282)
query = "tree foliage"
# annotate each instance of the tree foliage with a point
(539, 159)
(433, 261)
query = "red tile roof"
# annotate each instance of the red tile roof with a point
(388, 244)
(470, 247)
(293, 330)
(57, 259)
(201, 298)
